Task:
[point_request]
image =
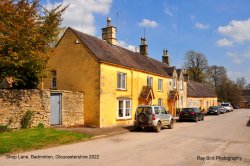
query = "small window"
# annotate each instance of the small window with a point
(189, 103)
(160, 85)
(124, 109)
(175, 83)
(170, 84)
(53, 79)
(150, 81)
(181, 84)
(160, 102)
(195, 103)
(121, 81)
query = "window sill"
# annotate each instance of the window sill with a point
(160, 90)
(123, 119)
(121, 89)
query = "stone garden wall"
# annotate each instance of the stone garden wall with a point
(15, 103)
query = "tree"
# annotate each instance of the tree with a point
(248, 86)
(26, 30)
(196, 64)
(241, 82)
(215, 74)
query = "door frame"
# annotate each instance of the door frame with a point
(60, 108)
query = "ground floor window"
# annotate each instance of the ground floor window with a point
(124, 108)
(160, 102)
(189, 103)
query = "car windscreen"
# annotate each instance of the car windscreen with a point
(146, 110)
(187, 110)
(225, 105)
(213, 107)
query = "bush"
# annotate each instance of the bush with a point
(4, 128)
(27, 119)
(40, 125)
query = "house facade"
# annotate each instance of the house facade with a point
(199, 95)
(114, 80)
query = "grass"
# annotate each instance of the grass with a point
(36, 138)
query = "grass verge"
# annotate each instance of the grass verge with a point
(36, 138)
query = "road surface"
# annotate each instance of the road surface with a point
(219, 140)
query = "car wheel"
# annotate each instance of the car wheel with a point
(143, 119)
(218, 113)
(158, 127)
(171, 125)
(196, 119)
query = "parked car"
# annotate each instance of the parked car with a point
(227, 106)
(191, 114)
(222, 109)
(154, 117)
(216, 110)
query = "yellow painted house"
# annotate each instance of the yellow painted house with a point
(114, 80)
(199, 95)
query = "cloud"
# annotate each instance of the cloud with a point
(127, 46)
(238, 30)
(168, 12)
(201, 26)
(224, 42)
(148, 23)
(80, 14)
(239, 57)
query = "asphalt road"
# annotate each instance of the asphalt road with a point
(219, 140)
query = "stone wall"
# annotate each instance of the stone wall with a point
(15, 103)
(72, 108)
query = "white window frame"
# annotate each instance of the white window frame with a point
(122, 81)
(181, 84)
(160, 102)
(124, 109)
(195, 103)
(150, 81)
(160, 85)
(175, 83)
(189, 103)
(53, 79)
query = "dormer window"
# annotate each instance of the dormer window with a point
(175, 83)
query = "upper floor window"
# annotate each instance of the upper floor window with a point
(53, 79)
(175, 83)
(160, 85)
(121, 81)
(150, 81)
(181, 84)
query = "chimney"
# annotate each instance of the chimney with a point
(165, 57)
(109, 33)
(144, 47)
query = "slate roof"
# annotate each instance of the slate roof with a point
(196, 89)
(105, 52)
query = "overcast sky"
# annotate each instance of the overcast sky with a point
(220, 29)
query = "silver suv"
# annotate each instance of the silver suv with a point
(228, 107)
(153, 117)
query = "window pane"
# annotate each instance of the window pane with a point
(121, 104)
(118, 80)
(120, 112)
(123, 81)
(127, 112)
(128, 104)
